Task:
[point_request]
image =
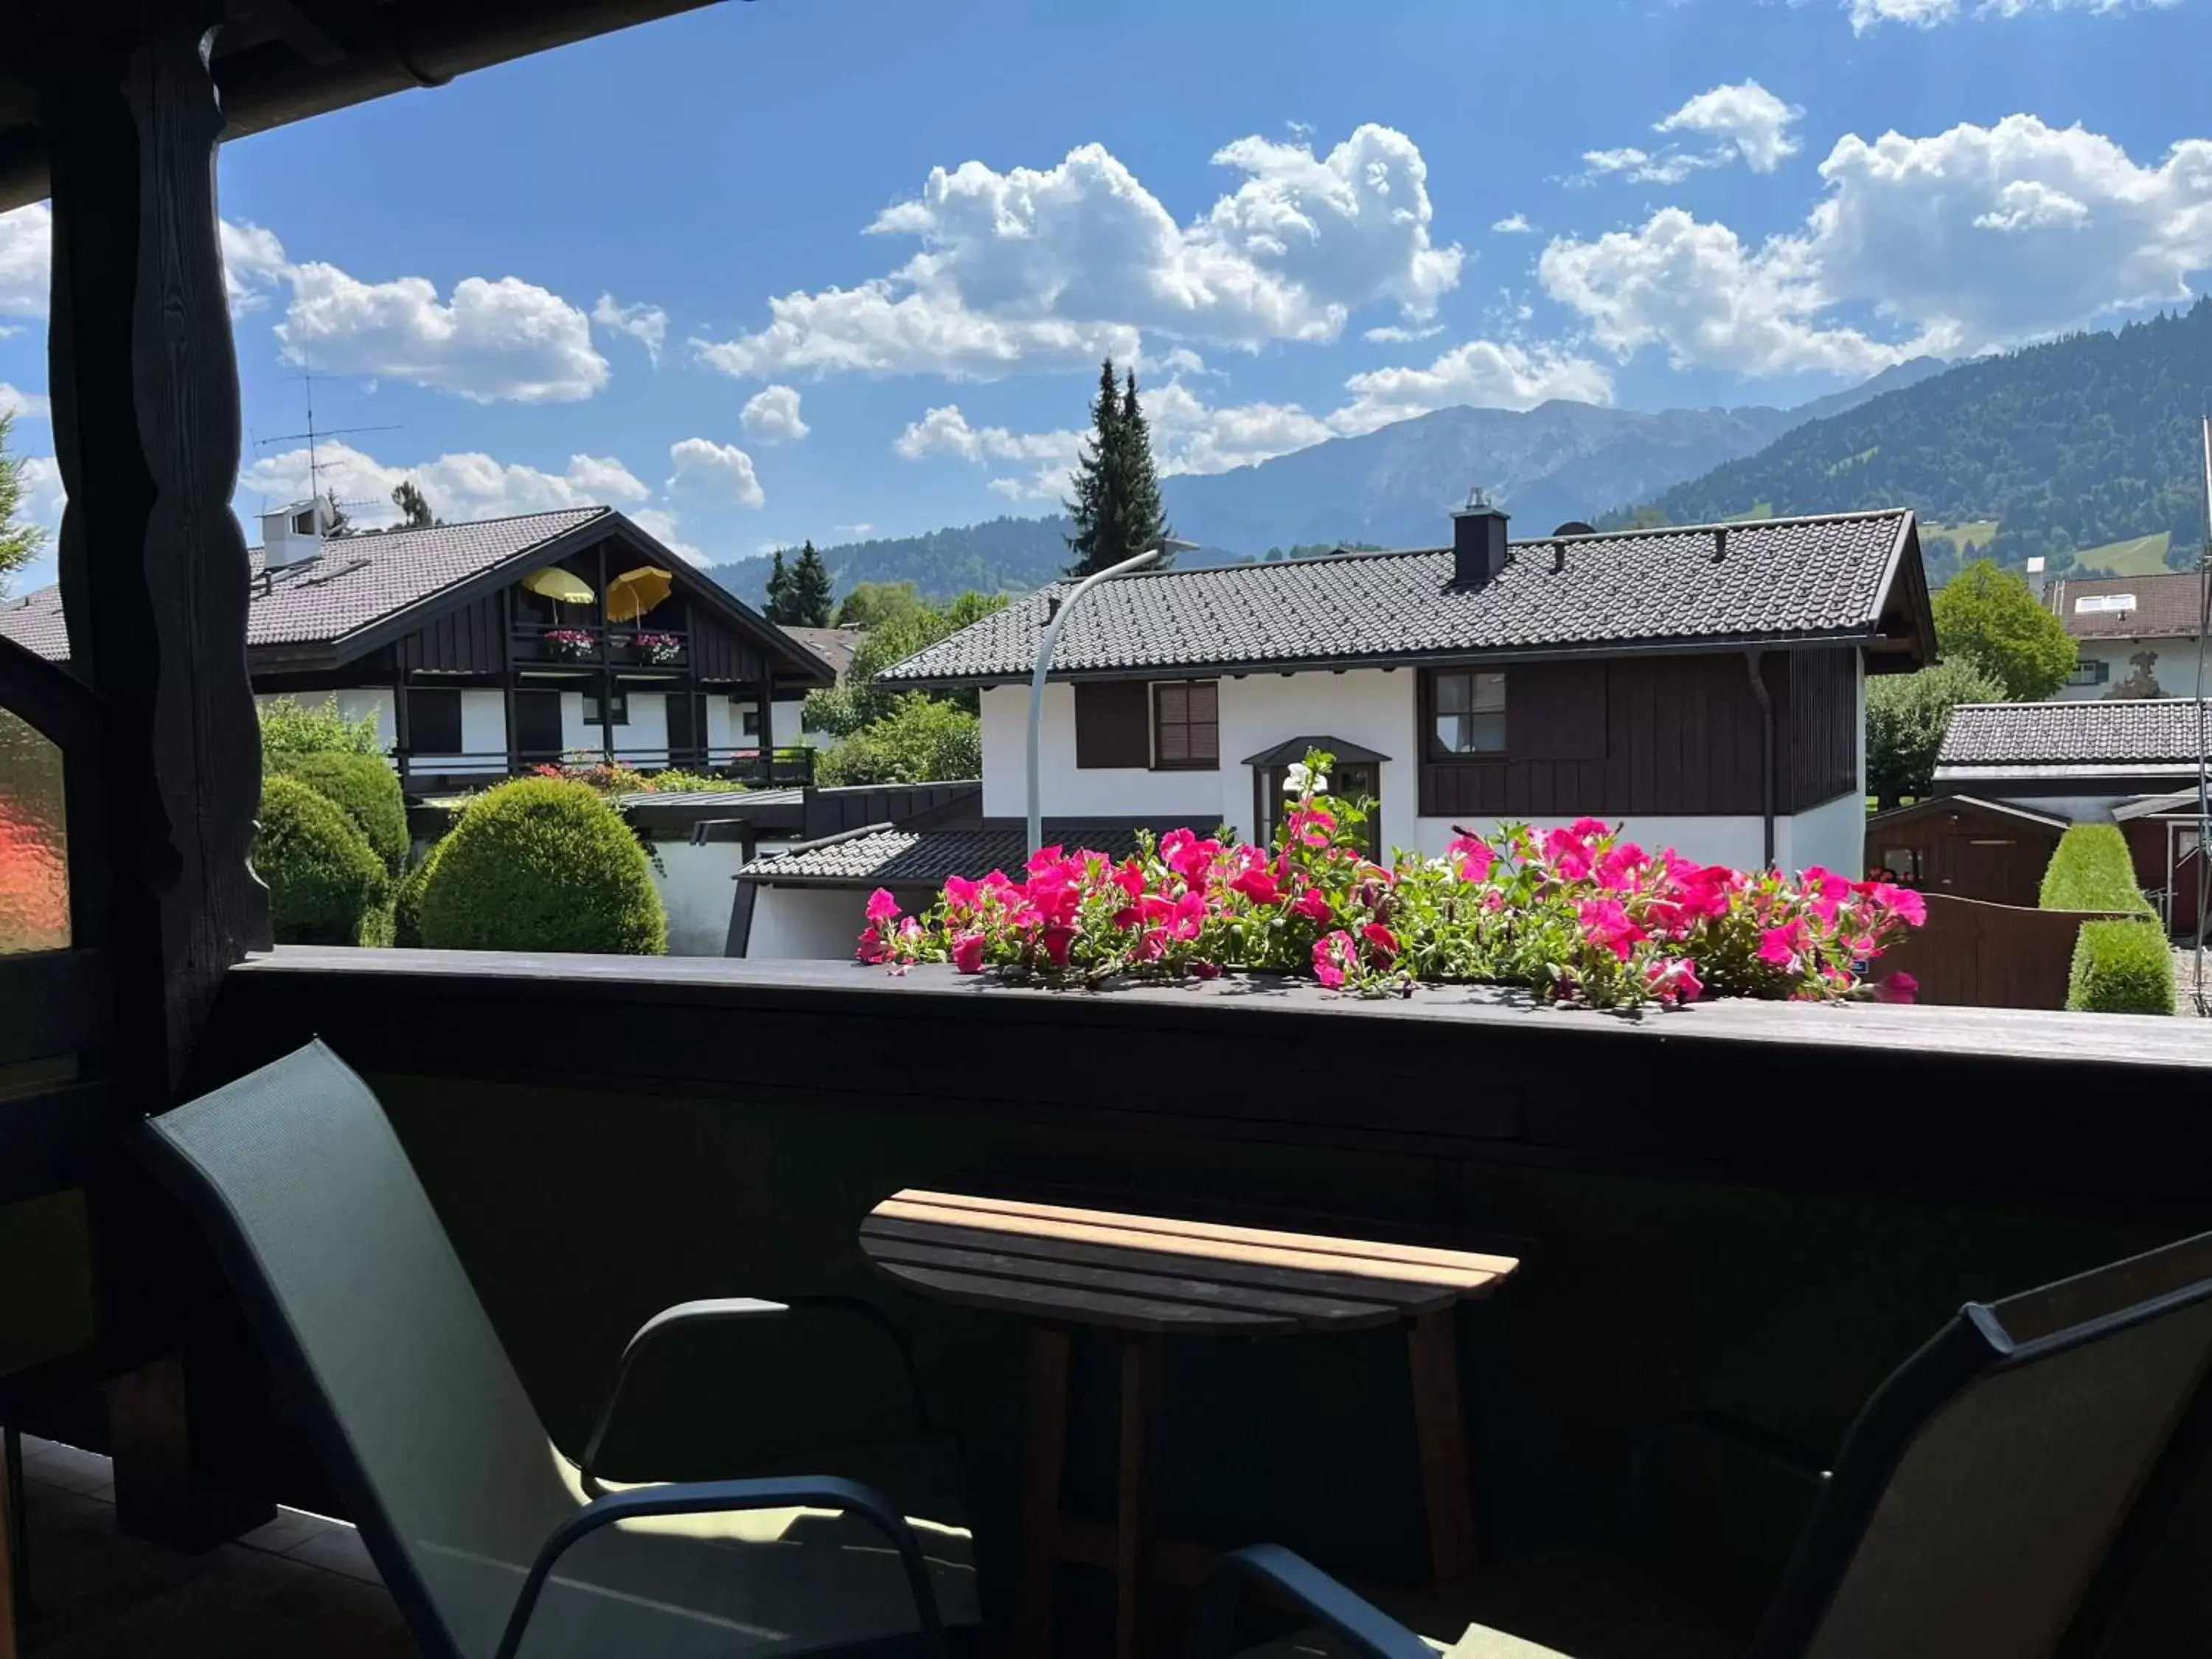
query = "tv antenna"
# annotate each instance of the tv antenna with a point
(315, 456)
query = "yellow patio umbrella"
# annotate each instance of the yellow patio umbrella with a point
(556, 583)
(634, 593)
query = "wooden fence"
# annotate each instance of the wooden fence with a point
(1976, 955)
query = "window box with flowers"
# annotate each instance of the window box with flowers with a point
(571, 644)
(658, 650)
(1573, 914)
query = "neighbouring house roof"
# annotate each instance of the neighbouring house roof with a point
(2070, 740)
(363, 589)
(1936, 804)
(2159, 607)
(835, 646)
(882, 855)
(1844, 577)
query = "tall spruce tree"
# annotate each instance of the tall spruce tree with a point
(811, 603)
(1117, 503)
(779, 591)
(414, 507)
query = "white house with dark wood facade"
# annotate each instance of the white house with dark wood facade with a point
(1703, 686)
(484, 649)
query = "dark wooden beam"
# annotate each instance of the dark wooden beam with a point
(153, 575)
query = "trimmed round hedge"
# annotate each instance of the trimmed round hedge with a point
(2121, 968)
(2091, 869)
(325, 880)
(541, 864)
(407, 903)
(366, 789)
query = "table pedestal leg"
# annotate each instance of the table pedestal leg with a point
(1043, 1457)
(1431, 1348)
(1134, 1519)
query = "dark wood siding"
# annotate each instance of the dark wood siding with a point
(464, 639)
(1113, 724)
(1818, 743)
(1647, 736)
(719, 654)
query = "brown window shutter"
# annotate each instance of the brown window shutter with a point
(1112, 724)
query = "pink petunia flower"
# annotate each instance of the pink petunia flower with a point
(873, 947)
(1898, 987)
(961, 892)
(1259, 885)
(1606, 924)
(968, 954)
(1334, 955)
(1313, 904)
(881, 907)
(1472, 857)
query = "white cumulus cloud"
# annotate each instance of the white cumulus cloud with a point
(1513, 224)
(24, 405)
(1050, 267)
(1643, 168)
(1968, 240)
(772, 415)
(494, 341)
(664, 528)
(1746, 115)
(1488, 374)
(253, 262)
(718, 475)
(460, 487)
(1927, 14)
(646, 324)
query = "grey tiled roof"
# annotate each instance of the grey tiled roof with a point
(2164, 606)
(1774, 579)
(358, 580)
(2116, 733)
(887, 857)
(835, 646)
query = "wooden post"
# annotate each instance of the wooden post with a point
(507, 678)
(1044, 1453)
(1440, 1433)
(144, 387)
(768, 723)
(1134, 1522)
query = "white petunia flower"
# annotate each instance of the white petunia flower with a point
(1299, 779)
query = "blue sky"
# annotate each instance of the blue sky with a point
(792, 269)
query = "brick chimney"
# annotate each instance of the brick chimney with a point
(1478, 542)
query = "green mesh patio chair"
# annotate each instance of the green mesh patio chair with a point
(494, 1545)
(1994, 1501)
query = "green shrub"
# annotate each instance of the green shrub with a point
(289, 727)
(325, 882)
(676, 781)
(541, 864)
(922, 739)
(407, 903)
(2121, 968)
(2091, 869)
(366, 789)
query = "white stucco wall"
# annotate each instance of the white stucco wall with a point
(789, 722)
(696, 884)
(2175, 669)
(721, 723)
(805, 923)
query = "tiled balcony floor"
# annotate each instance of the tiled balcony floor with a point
(299, 1588)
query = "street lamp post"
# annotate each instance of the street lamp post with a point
(1168, 545)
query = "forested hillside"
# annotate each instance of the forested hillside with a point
(2068, 448)
(1002, 556)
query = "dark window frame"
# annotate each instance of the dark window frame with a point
(420, 700)
(1432, 749)
(2090, 671)
(1193, 761)
(593, 710)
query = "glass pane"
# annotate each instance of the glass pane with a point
(1452, 690)
(1486, 733)
(1489, 691)
(1453, 734)
(34, 840)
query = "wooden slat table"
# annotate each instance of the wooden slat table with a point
(1144, 1277)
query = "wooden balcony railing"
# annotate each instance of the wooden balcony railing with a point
(420, 771)
(591, 645)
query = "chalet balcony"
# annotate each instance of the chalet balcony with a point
(447, 772)
(1751, 1210)
(589, 646)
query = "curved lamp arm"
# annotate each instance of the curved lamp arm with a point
(721, 1310)
(1371, 1632)
(727, 1497)
(1044, 666)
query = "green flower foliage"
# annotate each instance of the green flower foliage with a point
(2091, 869)
(326, 885)
(365, 789)
(541, 864)
(2121, 968)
